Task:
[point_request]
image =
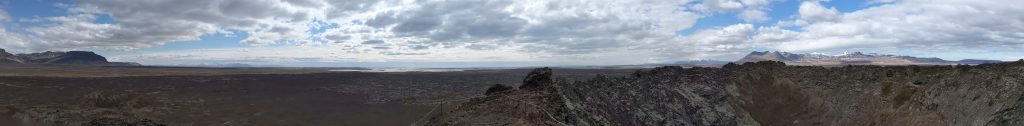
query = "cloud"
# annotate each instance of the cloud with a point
(812, 10)
(912, 26)
(13, 42)
(749, 10)
(546, 27)
(580, 30)
(143, 24)
(292, 54)
(723, 5)
(935, 25)
(556, 27)
(753, 15)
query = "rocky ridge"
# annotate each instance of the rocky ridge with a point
(9, 58)
(760, 93)
(66, 58)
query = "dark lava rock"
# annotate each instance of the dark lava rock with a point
(538, 79)
(497, 88)
(106, 121)
(536, 104)
(761, 93)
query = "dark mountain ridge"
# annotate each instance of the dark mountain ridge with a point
(60, 58)
(9, 58)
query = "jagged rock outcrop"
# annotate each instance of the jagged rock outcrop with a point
(538, 79)
(764, 93)
(497, 88)
(9, 58)
(534, 103)
(660, 96)
(856, 58)
(656, 97)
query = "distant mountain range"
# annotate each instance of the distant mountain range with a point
(64, 58)
(856, 58)
(701, 62)
(224, 65)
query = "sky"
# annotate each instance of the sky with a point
(476, 33)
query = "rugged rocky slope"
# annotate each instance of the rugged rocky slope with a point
(70, 57)
(856, 58)
(534, 103)
(9, 58)
(760, 93)
(97, 109)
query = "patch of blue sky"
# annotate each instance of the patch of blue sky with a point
(103, 19)
(786, 10)
(776, 11)
(783, 10)
(846, 6)
(35, 8)
(319, 27)
(717, 20)
(22, 12)
(356, 22)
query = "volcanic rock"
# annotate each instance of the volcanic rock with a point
(538, 79)
(497, 88)
(762, 93)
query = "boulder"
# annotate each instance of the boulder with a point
(497, 88)
(538, 79)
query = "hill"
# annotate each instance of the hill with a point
(60, 58)
(856, 58)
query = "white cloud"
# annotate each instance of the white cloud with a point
(553, 28)
(581, 30)
(143, 24)
(814, 11)
(916, 26)
(546, 29)
(14, 42)
(749, 10)
(753, 15)
(723, 5)
(931, 25)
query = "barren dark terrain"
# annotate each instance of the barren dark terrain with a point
(231, 97)
(755, 93)
(762, 93)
